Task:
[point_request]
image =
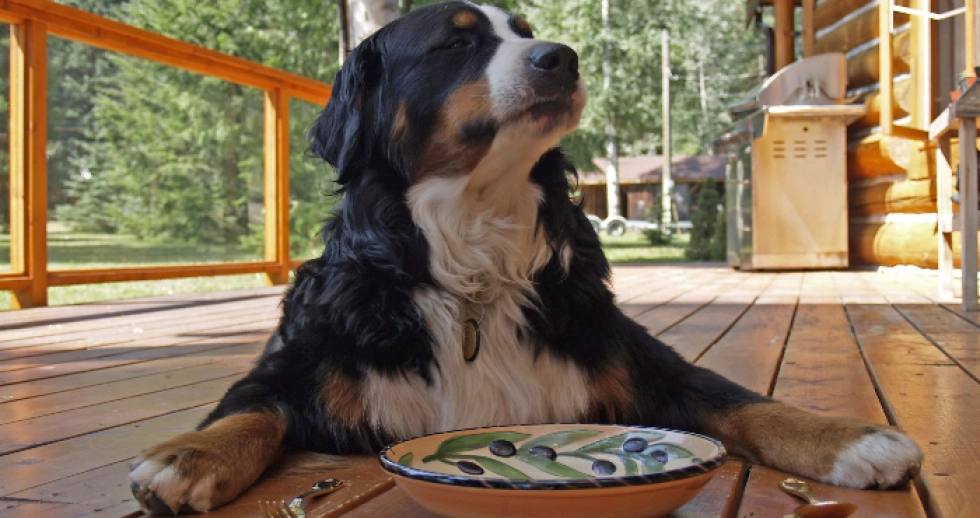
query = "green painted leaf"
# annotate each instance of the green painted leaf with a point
(630, 465)
(675, 451)
(499, 468)
(406, 460)
(551, 467)
(472, 442)
(648, 435)
(649, 465)
(558, 439)
(609, 443)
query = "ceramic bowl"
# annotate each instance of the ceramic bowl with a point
(567, 470)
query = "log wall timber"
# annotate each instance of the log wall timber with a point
(894, 244)
(862, 68)
(875, 155)
(829, 11)
(903, 196)
(901, 104)
(861, 28)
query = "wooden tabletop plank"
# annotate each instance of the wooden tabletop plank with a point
(750, 351)
(931, 398)
(133, 354)
(823, 372)
(216, 317)
(33, 408)
(666, 316)
(187, 327)
(45, 464)
(40, 335)
(31, 433)
(693, 336)
(34, 317)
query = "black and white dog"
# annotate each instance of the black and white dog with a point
(456, 208)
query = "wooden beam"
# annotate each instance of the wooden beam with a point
(968, 208)
(894, 243)
(872, 104)
(921, 66)
(862, 28)
(277, 185)
(903, 196)
(809, 29)
(877, 155)
(104, 33)
(73, 277)
(864, 68)
(829, 12)
(28, 161)
(885, 65)
(784, 11)
(970, 36)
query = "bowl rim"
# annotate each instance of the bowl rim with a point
(704, 467)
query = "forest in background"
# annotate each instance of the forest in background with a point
(161, 154)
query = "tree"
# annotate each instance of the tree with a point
(708, 238)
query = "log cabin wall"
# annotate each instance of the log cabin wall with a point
(891, 178)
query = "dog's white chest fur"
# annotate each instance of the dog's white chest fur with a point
(482, 260)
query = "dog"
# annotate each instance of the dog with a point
(456, 215)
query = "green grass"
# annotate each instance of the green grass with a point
(71, 250)
(634, 247)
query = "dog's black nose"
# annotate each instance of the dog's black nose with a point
(554, 58)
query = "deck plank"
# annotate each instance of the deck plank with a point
(823, 372)
(930, 397)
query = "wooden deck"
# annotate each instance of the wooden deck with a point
(83, 389)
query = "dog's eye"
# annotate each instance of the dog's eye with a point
(459, 43)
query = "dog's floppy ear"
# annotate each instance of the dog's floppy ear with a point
(338, 136)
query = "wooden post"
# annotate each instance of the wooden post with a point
(784, 11)
(968, 210)
(277, 184)
(28, 161)
(885, 72)
(921, 67)
(970, 38)
(809, 27)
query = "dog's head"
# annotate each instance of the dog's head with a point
(447, 90)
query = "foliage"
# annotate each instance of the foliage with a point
(633, 247)
(661, 235)
(708, 238)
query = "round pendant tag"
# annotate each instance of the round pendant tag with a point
(471, 339)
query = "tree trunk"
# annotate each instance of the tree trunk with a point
(612, 145)
(235, 205)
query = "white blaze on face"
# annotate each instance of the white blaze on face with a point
(505, 72)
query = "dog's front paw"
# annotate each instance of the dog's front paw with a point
(200, 471)
(170, 480)
(880, 459)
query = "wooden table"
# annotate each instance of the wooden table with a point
(83, 389)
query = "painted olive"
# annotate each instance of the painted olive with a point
(502, 448)
(603, 467)
(635, 445)
(471, 468)
(659, 456)
(543, 451)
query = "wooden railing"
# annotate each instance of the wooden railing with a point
(31, 22)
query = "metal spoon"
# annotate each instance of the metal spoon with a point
(815, 508)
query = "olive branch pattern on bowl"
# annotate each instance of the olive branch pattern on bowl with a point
(572, 453)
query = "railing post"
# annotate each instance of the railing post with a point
(885, 71)
(28, 160)
(277, 184)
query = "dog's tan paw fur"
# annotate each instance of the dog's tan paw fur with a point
(200, 471)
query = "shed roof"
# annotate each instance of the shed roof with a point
(648, 169)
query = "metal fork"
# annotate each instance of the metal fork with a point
(294, 509)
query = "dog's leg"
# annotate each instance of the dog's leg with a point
(842, 451)
(202, 470)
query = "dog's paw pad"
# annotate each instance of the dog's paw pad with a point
(161, 488)
(881, 459)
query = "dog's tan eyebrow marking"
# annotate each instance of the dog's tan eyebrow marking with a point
(521, 27)
(465, 19)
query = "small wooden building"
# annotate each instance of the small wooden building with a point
(902, 63)
(640, 178)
